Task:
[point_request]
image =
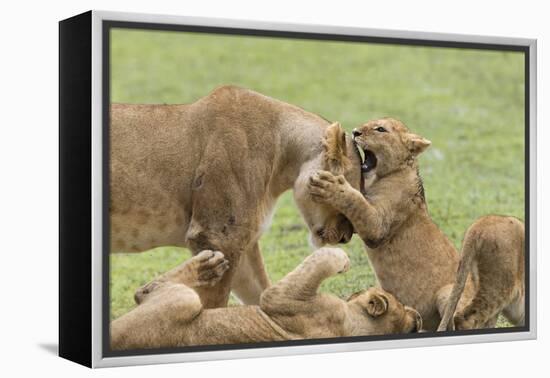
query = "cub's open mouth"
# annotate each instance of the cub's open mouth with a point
(368, 158)
(369, 163)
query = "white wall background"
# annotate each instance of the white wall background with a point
(28, 211)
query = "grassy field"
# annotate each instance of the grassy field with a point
(469, 103)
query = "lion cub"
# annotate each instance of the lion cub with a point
(411, 256)
(170, 314)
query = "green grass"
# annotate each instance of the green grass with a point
(469, 103)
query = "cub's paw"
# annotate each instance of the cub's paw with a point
(323, 185)
(203, 269)
(335, 258)
(210, 268)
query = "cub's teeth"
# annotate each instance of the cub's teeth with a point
(362, 154)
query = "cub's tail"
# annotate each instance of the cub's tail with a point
(469, 251)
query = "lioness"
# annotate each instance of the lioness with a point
(170, 314)
(411, 256)
(207, 175)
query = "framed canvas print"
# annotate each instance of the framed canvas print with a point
(234, 189)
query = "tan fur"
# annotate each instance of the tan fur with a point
(336, 155)
(170, 314)
(411, 256)
(494, 250)
(207, 175)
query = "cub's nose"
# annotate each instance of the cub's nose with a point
(356, 133)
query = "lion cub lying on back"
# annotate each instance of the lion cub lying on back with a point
(411, 256)
(170, 313)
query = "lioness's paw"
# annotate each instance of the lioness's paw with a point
(337, 259)
(212, 265)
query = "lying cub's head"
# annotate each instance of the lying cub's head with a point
(339, 156)
(388, 145)
(379, 312)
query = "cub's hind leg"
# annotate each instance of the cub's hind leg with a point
(515, 311)
(154, 323)
(167, 302)
(204, 269)
(491, 323)
(444, 294)
(495, 296)
(490, 299)
(175, 288)
(298, 288)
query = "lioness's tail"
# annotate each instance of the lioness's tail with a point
(493, 251)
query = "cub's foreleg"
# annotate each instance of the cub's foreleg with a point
(368, 221)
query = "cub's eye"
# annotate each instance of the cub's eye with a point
(380, 129)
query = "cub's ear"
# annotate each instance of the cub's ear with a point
(416, 144)
(377, 305)
(336, 159)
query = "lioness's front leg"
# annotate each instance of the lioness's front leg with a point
(335, 191)
(302, 283)
(250, 279)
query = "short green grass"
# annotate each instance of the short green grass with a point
(469, 103)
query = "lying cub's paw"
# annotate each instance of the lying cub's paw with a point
(211, 267)
(335, 257)
(206, 268)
